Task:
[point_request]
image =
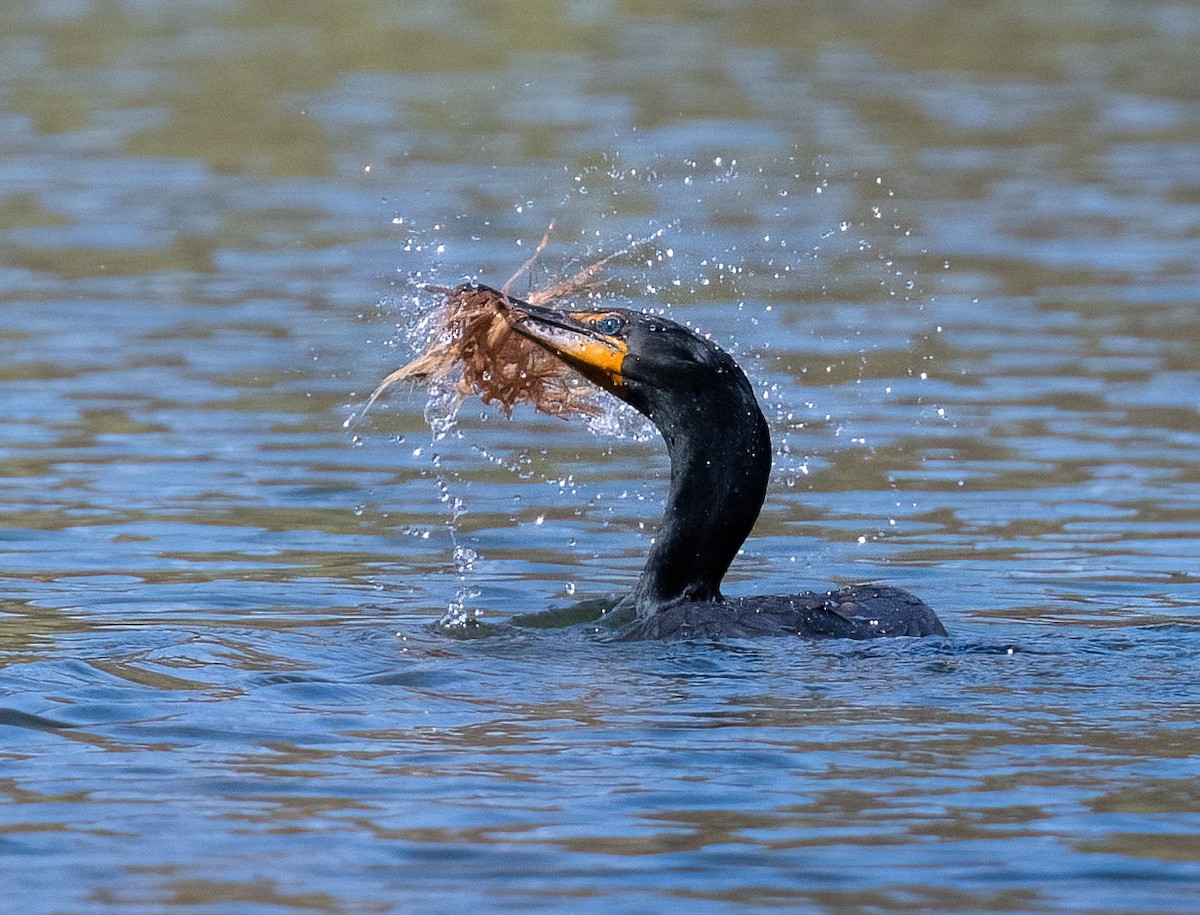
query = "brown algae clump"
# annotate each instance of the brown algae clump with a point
(475, 344)
(475, 340)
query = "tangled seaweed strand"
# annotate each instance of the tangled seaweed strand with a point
(475, 337)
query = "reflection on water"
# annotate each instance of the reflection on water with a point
(955, 248)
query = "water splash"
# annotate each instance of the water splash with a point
(441, 410)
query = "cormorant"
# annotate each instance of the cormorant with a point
(720, 449)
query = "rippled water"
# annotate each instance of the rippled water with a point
(957, 248)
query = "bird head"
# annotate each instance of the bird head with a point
(648, 361)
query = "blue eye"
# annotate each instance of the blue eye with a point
(610, 325)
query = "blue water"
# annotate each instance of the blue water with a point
(955, 250)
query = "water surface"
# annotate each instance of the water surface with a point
(955, 247)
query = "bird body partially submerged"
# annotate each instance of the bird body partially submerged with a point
(856, 612)
(720, 449)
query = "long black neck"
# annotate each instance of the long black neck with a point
(720, 452)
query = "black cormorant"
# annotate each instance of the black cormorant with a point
(720, 451)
